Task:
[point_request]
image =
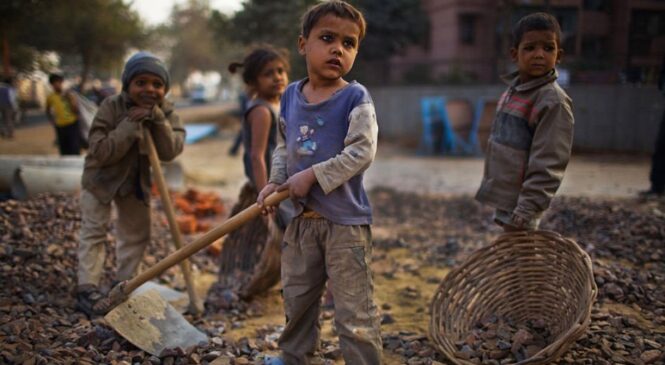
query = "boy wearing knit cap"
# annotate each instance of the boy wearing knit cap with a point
(117, 170)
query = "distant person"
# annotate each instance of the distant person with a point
(62, 112)
(9, 107)
(532, 133)
(327, 139)
(117, 170)
(265, 73)
(243, 99)
(657, 176)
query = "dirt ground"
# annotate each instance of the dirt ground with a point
(426, 222)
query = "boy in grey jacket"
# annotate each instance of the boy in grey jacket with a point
(117, 170)
(532, 133)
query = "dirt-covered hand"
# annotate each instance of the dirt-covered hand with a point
(139, 114)
(299, 184)
(158, 114)
(263, 194)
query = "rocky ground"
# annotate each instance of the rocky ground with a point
(418, 239)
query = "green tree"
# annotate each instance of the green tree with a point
(99, 32)
(17, 32)
(273, 22)
(94, 34)
(392, 25)
(193, 39)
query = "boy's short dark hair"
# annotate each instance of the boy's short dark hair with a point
(536, 21)
(339, 8)
(52, 78)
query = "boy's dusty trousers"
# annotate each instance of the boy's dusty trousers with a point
(133, 236)
(316, 249)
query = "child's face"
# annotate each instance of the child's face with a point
(331, 47)
(272, 80)
(146, 90)
(57, 86)
(537, 54)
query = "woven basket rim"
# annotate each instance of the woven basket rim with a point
(565, 339)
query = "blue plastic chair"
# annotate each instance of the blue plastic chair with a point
(434, 109)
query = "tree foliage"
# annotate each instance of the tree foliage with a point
(16, 36)
(392, 25)
(193, 39)
(97, 32)
(273, 22)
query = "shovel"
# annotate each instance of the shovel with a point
(195, 305)
(148, 321)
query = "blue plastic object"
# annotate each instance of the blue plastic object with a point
(197, 132)
(434, 116)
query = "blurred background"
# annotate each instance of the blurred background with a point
(414, 49)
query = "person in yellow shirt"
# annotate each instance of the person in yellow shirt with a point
(62, 112)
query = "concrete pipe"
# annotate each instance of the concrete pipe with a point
(10, 163)
(30, 180)
(32, 175)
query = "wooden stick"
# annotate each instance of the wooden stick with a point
(195, 305)
(120, 292)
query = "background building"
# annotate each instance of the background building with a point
(605, 41)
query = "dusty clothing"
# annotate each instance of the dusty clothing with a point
(133, 236)
(247, 137)
(330, 239)
(69, 139)
(316, 250)
(528, 149)
(8, 109)
(116, 163)
(60, 107)
(243, 248)
(337, 138)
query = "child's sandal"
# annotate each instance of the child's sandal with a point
(92, 302)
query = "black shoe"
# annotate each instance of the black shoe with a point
(92, 302)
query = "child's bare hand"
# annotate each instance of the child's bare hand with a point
(299, 184)
(263, 194)
(138, 114)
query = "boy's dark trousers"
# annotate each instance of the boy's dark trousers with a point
(658, 161)
(69, 139)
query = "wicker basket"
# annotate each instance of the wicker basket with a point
(521, 276)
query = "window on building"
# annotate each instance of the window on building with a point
(467, 28)
(598, 5)
(645, 27)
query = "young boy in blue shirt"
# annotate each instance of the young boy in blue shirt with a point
(328, 135)
(532, 133)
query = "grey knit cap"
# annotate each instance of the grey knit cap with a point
(142, 62)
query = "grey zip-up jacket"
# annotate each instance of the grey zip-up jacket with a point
(117, 162)
(529, 147)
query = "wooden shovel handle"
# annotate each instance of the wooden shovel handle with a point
(196, 306)
(211, 236)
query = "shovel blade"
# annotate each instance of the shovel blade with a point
(153, 325)
(179, 300)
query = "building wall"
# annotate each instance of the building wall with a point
(608, 29)
(619, 118)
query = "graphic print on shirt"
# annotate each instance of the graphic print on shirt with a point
(306, 146)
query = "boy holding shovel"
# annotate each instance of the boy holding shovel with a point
(327, 139)
(117, 170)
